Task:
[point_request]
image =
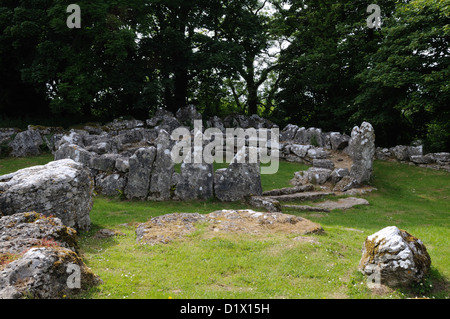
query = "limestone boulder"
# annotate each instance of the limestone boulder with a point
(323, 163)
(393, 257)
(338, 141)
(187, 115)
(313, 175)
(75, 153)
(196, 181)
(110, 185)
(23, 231)
(163, 120)
(239, 180)
(337, 174)
(45, 273)
(288, 133)
(26, 143)
(61, 188)
(346, 183)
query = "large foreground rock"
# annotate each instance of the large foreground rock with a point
(39, 258)
(393, 257)
(61, 188)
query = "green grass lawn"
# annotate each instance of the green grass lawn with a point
(274, 266)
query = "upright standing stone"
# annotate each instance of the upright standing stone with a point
(162, 169)
(239, 180)
(362, 152)
(195, 181)
(140, 172)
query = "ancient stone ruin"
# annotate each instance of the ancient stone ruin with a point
(414, 155)
(339, 162)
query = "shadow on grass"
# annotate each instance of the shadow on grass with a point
(434, 285)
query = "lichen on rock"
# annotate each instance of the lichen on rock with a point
(395, 256)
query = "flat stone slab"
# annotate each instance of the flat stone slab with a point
(166, 228)
(301, 196)
(328, 206)
(343, 203)
(289, 190)
(307, 208)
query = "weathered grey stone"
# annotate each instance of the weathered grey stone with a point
(338, 141)
(257, 122)
(163, 120)
(421, 159)
(195, 182)
(300, 150)
(323, 163)
(303, 196)
(289, 190)
(300, 136)
(120, 124)
(415, 150)
(110, 185)
(313, 136)
(26, 143)
(317, 153)
(338, 174)
(104, 163)
(346, 183)
(382, 153)
(8, 134)
(187, 115)
(394, 258)
(441, 157)
(162, 169)
(75, 153)
(239, 180)
(22, 231)
(141, 163)
(343, 203)
(313, 175)
(167, 228)
(362, 149)
(271, 205)
(288, 133)
(62, 188)
(400, 152)
(216, 122)
(43, 273)
(123, 164)
(72, 137)
(101, 148)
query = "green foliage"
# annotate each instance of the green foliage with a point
(306, 62)
(403, 90)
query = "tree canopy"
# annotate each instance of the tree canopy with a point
(306, 62)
